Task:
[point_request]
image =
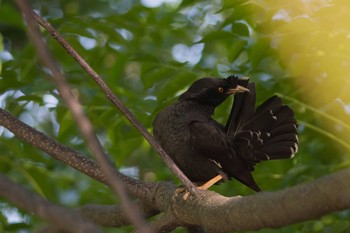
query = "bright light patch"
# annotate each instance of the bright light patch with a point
(281, 15)
(158, 3)
(127, 35)
(87, 43)
(12, 215)
(183, 53)
(151, 3)
(50, 101)
(6, 56)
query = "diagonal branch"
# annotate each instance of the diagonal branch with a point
(117, 102)
(85, 126)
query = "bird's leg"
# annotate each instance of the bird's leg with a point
(211, 182)
(204, 186)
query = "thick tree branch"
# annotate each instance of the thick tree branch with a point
(112, 216)
(263, 210)
(164, 224)
(84, 124)
(117, 102)
(61, 217)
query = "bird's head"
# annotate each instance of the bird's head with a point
(213, 91)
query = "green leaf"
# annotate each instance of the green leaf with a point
(217, 36)
(229, 4)
(258, 50)
(10, 16)
(237, 47)
(241, 29)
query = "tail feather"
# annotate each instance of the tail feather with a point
(269, 103)
(291, 137)
(260, 156)
(282, 129)
(264, 116)
(279, 151)
(285, 121)
(269, 132)
(249, 181)
(240, 173)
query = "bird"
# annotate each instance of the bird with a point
(208, 152)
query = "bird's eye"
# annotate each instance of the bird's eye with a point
(220, 89)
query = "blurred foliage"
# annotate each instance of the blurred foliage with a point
(148, 56)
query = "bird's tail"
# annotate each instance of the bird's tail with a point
(268, 132)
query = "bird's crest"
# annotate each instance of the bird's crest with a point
(235, 80)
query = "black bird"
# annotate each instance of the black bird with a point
(204, 149)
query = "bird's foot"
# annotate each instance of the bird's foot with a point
(181, 190)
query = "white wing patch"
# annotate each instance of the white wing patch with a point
(216, 162)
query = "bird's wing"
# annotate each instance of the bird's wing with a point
(212, 142)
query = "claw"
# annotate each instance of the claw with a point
(181, 189)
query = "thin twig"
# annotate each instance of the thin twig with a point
(117, 102)
(83, 122)
(61, 217)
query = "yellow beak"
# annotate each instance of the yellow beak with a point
(238, 89)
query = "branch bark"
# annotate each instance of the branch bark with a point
(303, 202)
(113, 216)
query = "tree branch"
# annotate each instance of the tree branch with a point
(61, 217)
(164, 224)
(112, 216)
(303, 202)
(85, 126)
(117, 102)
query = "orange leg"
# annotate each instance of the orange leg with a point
(211, 182)
(204, 186)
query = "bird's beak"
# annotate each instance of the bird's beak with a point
(238, 89)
